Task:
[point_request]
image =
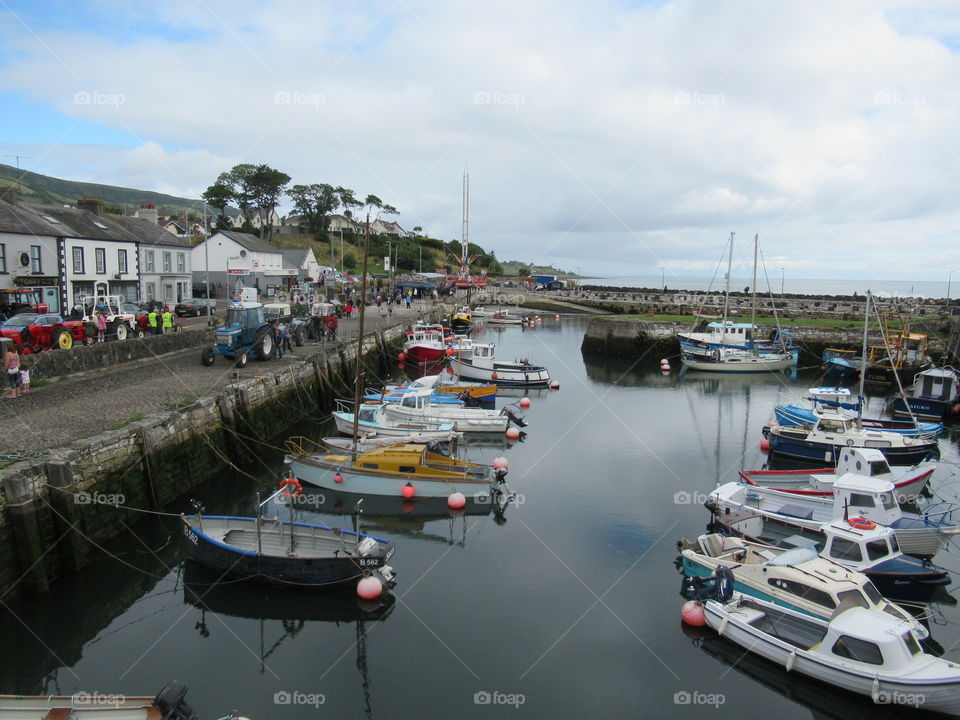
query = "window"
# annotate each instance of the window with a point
(877, 549)
(101, 257)
(888, 501)
(861, 500)
(181, 262)
(911, 642)
(852, 598)
(168, 292)
(35, 265)
(122, 261)
(856, 649)
(872, 592)
(78, 260)
(3, 257)
(804, 591)
(166, 262)
(151, 291)
(845, 550)
(148, 261)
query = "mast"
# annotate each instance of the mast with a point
(465, 232)
(753, 287)
(726, 292)
(363, 314)
(863, 359)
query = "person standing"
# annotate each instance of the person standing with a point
(12, 363)
(24, 377)
(167, 320)
(154, 321)
(101, 326)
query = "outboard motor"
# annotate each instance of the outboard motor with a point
(514, 418)
(171, 704)
(718, 586)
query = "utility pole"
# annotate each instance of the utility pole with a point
(19, 175)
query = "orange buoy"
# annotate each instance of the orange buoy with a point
(554, 385)
(456, 500)
(369, 587)
(338, 478)
(692, 613)
(401, 356)
(513, 433)
(408, 491)
(500, 462)
(862, 523)
(450, 351)
(764, 444)
(524, 402)
(493, 376)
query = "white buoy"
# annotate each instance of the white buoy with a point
(456, 500)
(513, 433)
(369, 587)
(500, 462)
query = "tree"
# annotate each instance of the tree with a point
(417, 230)
(265, 186)
(218, 196)
(313, 203)
(523, 271)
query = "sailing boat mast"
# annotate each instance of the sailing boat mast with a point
(726, 292)
(863, 356)
(465, 232)
(363, 314)
(753, 287)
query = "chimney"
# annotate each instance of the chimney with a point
(93, 204)
(149, 212)
(10, 194)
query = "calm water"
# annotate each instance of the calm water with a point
(568, 602)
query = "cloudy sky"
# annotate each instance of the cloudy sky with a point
(618, 137)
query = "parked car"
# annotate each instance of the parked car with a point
(196, 307)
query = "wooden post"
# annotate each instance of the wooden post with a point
(24, 520)
(72, 545)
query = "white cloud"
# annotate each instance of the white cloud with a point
(650, 133)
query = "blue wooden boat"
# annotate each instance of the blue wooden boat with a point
(934, 395)
(841, 364)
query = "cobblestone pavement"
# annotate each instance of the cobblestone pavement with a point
(89, 403)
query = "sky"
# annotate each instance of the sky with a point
(617, 138)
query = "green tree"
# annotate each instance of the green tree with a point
(265, 186)
(313, 203)
(218, 196)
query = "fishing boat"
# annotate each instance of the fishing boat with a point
(424, 345)
(169, 704)
(743, 355)
(374, 420)
(418, 407)
(503, 317)
(389, 470)
(934, 395)
(907, 482)
(901, 356)
(835, 431)
(854, 495)
(798, 579)
(461, 322)
(793, 414)
(862, 650)
(480, 311)
(840, 364)
(484, 367)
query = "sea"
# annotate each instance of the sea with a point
(788, 285)
(564, 605)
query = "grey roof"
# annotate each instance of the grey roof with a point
(250, 242)
(295, 256)
(32, 219)
(149, 232)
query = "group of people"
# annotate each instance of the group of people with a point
(282, 339)
(18, 374)
(160, 322)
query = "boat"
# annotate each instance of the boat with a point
(503, 317)
(907, 482)
(934, 395)
(168, 704)
(863, 546)
(461, 322)
(424, 345)
(441, 391)
(902, 355)
(862, 650)
(798, 579)
(283, 552)
(793, 414)
(744, 355)
(480, 311)
(484, 367)
(389, 470)
(418, 407)
(854, 495)
(374, 420)
(840, 364)
(835, 431)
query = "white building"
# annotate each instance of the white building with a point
(240, 260)
(164, 259)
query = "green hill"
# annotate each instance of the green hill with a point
(37, 188)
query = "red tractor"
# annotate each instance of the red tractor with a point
(32, 333)
(13, 302)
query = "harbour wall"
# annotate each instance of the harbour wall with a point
(54, 510)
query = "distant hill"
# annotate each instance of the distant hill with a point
(36, 188)
(510, 267)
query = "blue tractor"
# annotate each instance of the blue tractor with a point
(245, 334)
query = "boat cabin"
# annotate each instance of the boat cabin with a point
(937, 384)
(483, 351)
(418, 399)
(870, 638)
(741, 333)
(854, 548)
(411, 458)
(857, 495)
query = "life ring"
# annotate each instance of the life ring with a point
(862, 523)
(373, 402)
(285, 484)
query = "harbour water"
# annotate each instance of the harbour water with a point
(565, 605)
(924, 288)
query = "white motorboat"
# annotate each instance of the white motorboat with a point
(418, 407)
(861, 650)
(732, 360)
(484, 367)
(374, 420)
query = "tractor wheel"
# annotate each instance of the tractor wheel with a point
(196, 313)
(177, 327)
(241, 359)
(61, 340)
(206, 357)
(140, 333)
(262, 344)
(120, 328)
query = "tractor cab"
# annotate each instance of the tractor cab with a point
(244, 332)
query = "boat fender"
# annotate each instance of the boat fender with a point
(723, 626)
(791, 659)
(875, 690)
(291, 482)
(862, 523)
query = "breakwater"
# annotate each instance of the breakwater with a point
(54, 510)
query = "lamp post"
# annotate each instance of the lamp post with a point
(781, 283)
(663, 281)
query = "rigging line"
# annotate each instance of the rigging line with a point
(118, 506)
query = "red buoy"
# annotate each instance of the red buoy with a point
(450, 352)
(338, 478)
(369, 587)
(401, 356)
(408, 491)
(513, 433)
(554, 385)
(524, 402)
(456, 500)
(500, 462)
(692, 613)
(765, 445)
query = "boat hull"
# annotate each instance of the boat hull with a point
(440, 431)
(925, 408)
(906, 488)
(233, 561)
(748, 364)
(501, 373)
(423, 354)
(797, 446)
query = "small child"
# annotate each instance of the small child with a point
(24, 379)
